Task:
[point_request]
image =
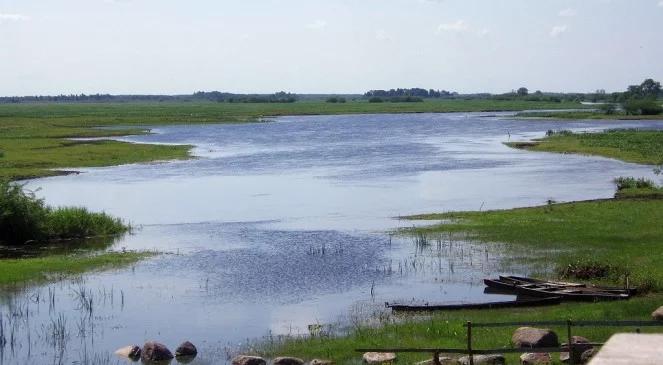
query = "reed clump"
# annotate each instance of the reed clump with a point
(25, 218)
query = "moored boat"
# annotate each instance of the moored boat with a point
(551, 289)
(530, 302)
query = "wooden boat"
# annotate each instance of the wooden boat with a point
(531, 302)
(524, 280)
(545, 290)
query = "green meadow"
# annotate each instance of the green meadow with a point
(35, 138)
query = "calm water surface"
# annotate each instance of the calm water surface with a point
(276, 226)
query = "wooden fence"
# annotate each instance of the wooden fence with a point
(470, 350)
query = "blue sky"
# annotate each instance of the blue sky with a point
(308, 46)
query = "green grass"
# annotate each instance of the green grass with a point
(626, 235)
(445, 330)
(25, 218)
(33, 137)
(586, 115)
(639, 146)
(48, 268)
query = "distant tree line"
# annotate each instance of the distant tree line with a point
(279, 97)
(414, 92)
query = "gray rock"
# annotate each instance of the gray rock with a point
(132, 352)
(284, 360)
(321, 362)
(540, 358)
(525, 337)
(186, 349)
(587, 355)
(657, 314)
(154, 351)
(379, 357)
(580, 345)
(483, 360)
(248, 360)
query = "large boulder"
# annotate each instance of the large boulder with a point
(132, 352)
(536, 358)
(587, 355)
(154, 351)
(284, 360)
(580, 345)
(186, 349)
(379, 358)
(483, 360)
(658, 314)
(525, 337)
(321, 362)
(248, 360)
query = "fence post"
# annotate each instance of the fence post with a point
(469, 342)
(570, 343)
(436, 358)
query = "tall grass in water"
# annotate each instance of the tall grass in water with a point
(24, 217)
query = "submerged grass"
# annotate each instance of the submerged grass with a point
(626, 234)
(37, 269)
(34, 138)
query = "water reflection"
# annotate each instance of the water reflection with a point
(278, 228)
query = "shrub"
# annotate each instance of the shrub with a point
(608, 108)
(406, 99)
(375, 99)
(24, 217)
(563, 132)
(336, 99)
(642, 107)
(633, 183)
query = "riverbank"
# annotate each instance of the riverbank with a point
(578, 115)
(598, 241)
(36, 138)
(639, 146)
(445, 330)
(50, 268)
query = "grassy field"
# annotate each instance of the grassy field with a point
(34, 138)
(38, 269)
(617, 236)
(586, 115)
(628, 145)
(446, 330)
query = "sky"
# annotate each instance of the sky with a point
(326, 46)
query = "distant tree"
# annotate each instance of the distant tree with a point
(647, 89)
(522, 91)
(650, 88)
(608, 108)
(635, 106)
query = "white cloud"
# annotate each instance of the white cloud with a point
(457, 27)
(568, 12)
(660, 4)
(318, 25)
(460, 26)
(381, 35)
(12, 17)
(558, 29)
